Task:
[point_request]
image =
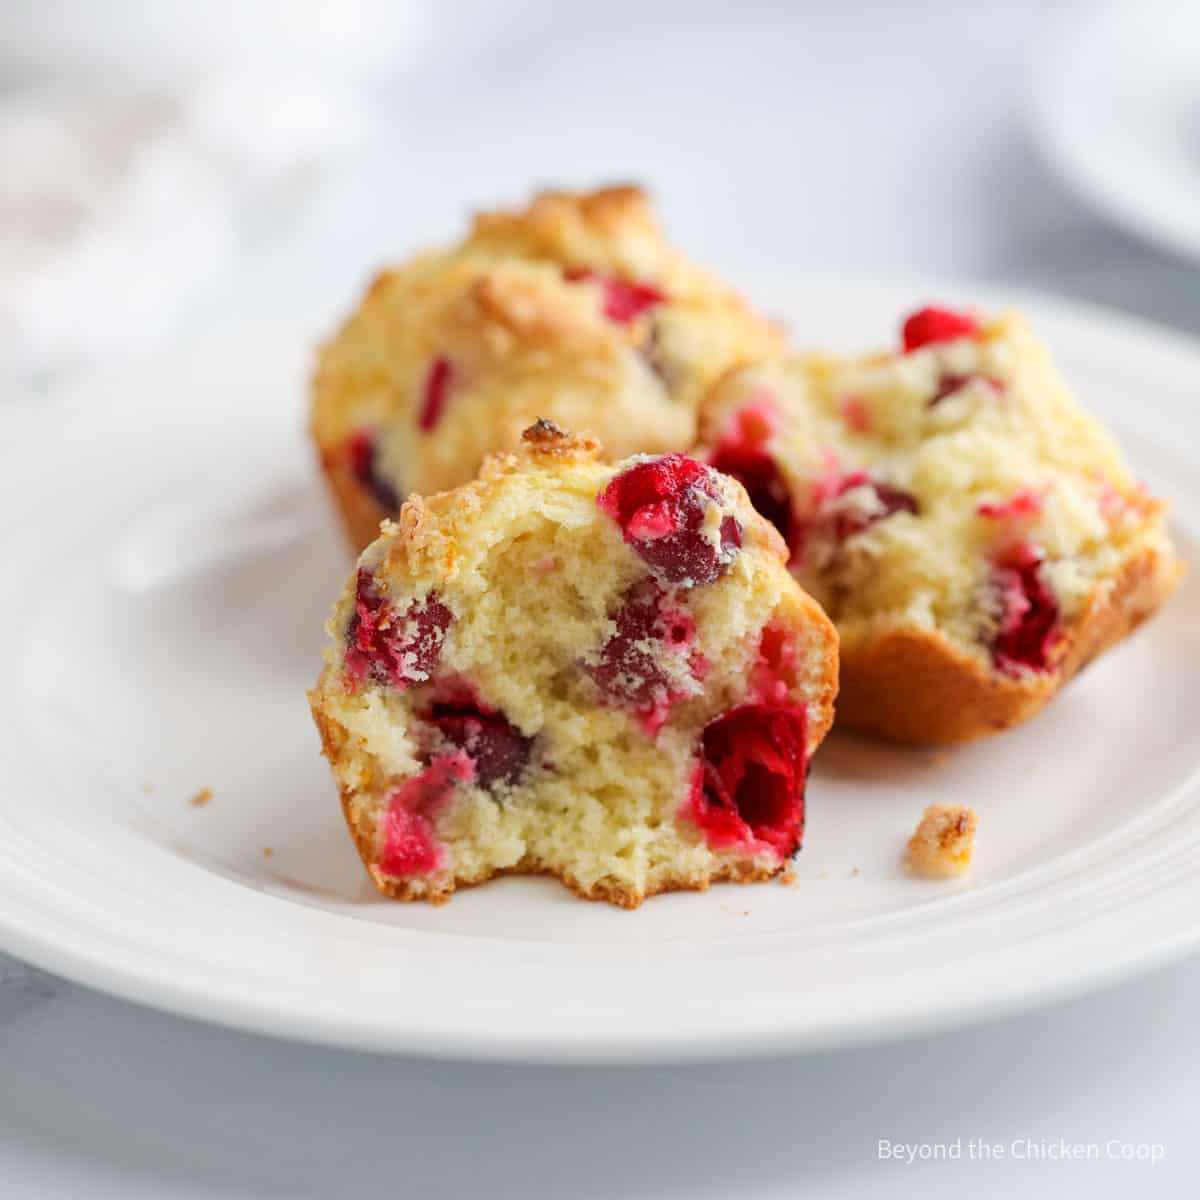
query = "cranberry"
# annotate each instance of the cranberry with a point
(496, 748)
(949, 384)
(1024, 502)
(847, 522)
(362, 450)
(1028, 628)
(437, 392)
(749, 788)
(624, 299)
(631, 669)
(768, 490)
(392, 649)
(666, 370)
(409, 845)
(837, 516)
(829, 483)
(741, 453)
(660, 505)
(855, 413)
(931, 325)
(775, 666)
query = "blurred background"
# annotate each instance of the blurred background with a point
(166, 167)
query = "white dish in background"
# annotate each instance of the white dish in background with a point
(165, 628)
(1116, 112)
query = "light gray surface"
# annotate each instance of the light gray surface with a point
(108, 1100)
(872, 138)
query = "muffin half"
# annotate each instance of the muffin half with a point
(604, 673)
(974, 534)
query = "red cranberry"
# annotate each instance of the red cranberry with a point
(1028, 628)
(655, 355)
(775, 666)
(624, 300)
(949, 384)
(741, 453)
(389, 648)
(497, 748)
(660, 505)
(1024, 502)
(409, 844)
(749, 789)
(835, 519)
(847, 522)
(363, 452)
(436, 393)
(768, 490)
(855, 413)
(631, 669)
(931, 325)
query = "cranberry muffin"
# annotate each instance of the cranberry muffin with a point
(974, 534)
(602, 673)
(574, 309)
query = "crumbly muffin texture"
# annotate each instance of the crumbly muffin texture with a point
(974, 534)
(604, 673)
(575, 309)
(943, 842)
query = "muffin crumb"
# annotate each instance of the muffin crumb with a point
(943, 842)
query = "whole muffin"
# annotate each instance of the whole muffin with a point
(974, 534)
(603, 673)
(574, 309)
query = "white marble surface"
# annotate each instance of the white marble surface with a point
(863, 137)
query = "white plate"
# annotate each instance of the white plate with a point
(168, 565)
(1116, 110)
